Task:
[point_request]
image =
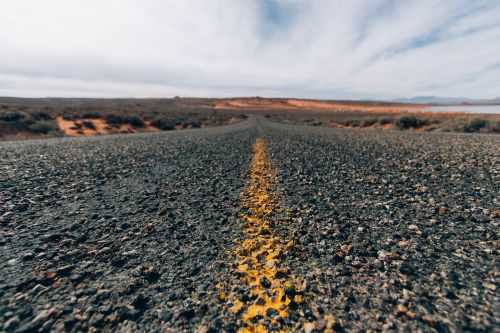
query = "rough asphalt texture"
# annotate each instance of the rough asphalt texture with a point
(393, 231)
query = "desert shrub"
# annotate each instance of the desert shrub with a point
(118, 120)
(368, 122)
(475, 125)
(384, 121)
(11, 116)
(407, 122)
(88, 124)
(163, 124)
(41, 115)
(114, 119)
(352, 122)
(15, 126)
(77, 126)
(136, 122)
(195, 124)
(26, 121)
(43, 127)
(68, 116)
(57, 133)
(91, 114)
(494, 127)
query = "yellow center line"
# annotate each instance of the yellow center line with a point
(267, 293)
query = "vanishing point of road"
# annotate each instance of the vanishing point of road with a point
(252, 227)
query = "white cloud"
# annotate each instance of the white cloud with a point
(324, 49)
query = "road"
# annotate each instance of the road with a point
(251, 227)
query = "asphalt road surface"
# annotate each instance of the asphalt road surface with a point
(252, 227)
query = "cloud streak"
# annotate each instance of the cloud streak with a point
(318, 49)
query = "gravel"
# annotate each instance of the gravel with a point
(118, 232)
(393, 231)
(400, 229)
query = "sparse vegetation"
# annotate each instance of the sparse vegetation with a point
(117, 120)
(419, 121)
(407, 122)
(352, 123)
(368, 122)
(43, 126)
(91, 115)
(384, 121)
(88, 124)
(11, 116)
(31, 117)
(163, 124)
(475, 125)
(39, 117)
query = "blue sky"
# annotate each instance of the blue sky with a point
(312, 48)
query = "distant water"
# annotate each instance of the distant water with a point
(491, 109)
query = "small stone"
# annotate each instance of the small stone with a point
(401, 309)
(27, 256)
(195, 271)
(404, 245)
(140, 301)
(131, 253)
(272, 312)
(413, 227)
(75, 278)
(105, 251)
(11, 323)
(290, 291)
(36, 323)
(490, 286)
(38, 288)
(149, 228)
(105, 309)
(64, 270)
(127, 311)
(264, 282)
(260, 301)
(429, 320)
(187, 314)
(309, 327)
(203, 329)
(165, 315)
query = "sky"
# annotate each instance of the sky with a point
(329, 49)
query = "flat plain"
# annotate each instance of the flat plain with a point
(31, 118)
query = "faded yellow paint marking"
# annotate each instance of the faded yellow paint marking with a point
(270, 288)
(266, 296)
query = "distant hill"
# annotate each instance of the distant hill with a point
(239, 103)
(445, 100)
